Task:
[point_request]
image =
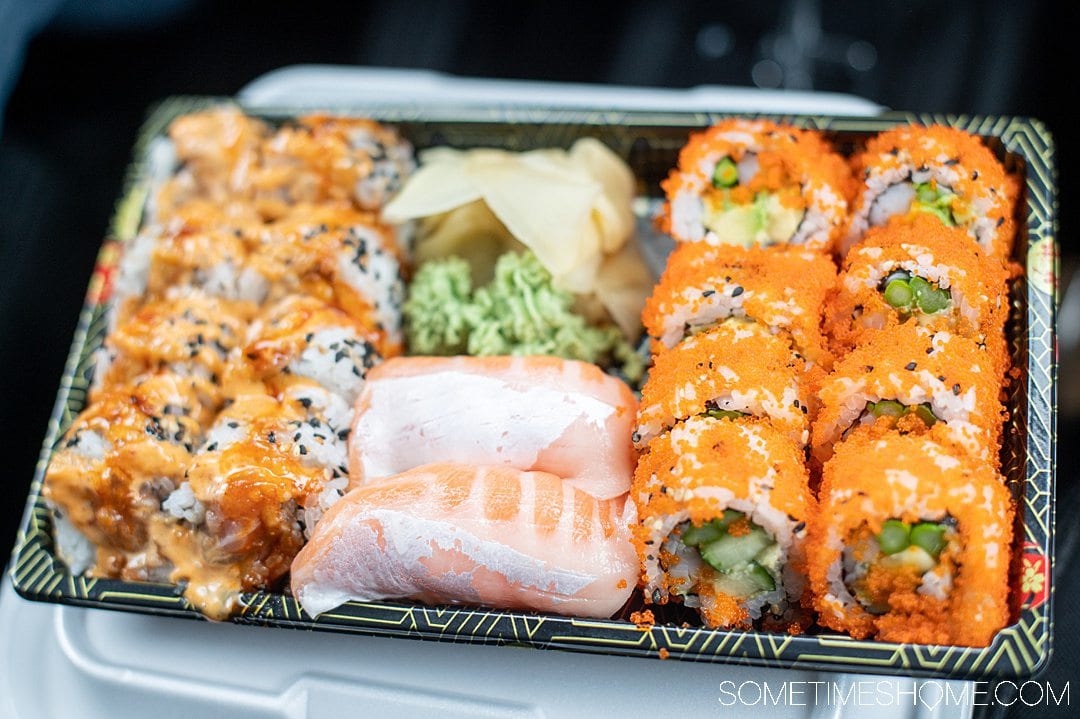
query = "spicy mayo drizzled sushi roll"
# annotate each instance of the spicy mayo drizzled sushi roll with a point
(121, 458)
(265, 473)
(915, 380)
(919, 270)
(750, 183)
(736, 368)
(722, 507)
(302, 339)
(940, 171)
(911, 544)
(782, 289)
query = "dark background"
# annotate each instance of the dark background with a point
(88, 78)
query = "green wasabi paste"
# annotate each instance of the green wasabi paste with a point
(520, 312)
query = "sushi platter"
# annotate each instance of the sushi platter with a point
(437, 373)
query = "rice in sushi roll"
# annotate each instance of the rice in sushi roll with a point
(755, 183)
(911, 544)
(723, 506)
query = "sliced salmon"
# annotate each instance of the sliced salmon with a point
(533, 413)
(459, 534)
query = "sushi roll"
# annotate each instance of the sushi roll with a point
(939, 171)
(542, 414)
(464, 534)
(756, 183)
(120, 459)
(736, 368)
(191, 334)
(911, 544)
(302, 339)
(265, 472)
(355, 268)
(782, 289)
(159, 261)
(919, 270)
(723, 506)
(322, 158)
(915, 380)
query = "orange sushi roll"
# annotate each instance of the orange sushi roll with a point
(940, 171)
(755, 183)
(915, 380)
(736, 368)
(915, 269)
(463, 534)
(911, 544)
(722, 511)
(782, 289)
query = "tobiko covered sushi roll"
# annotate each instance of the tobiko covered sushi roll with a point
(755, 183)
(911, 544)
(723, 506)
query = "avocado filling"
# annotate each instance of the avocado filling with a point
(746, 559)
(936, 200)
(901, 557)
(763, 221)
(910, 293)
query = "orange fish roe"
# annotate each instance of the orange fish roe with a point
(664, 653)
(643, 619)
(782, 288)
(696, 471)
(956, 376)
(796, 166)
(736, 366)
(909, 478)
(946, 257)
(952, 158)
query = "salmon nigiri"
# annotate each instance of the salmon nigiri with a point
(533, 413)
(460, 534)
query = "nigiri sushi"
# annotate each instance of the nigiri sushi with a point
(533, 413)
(461, 534)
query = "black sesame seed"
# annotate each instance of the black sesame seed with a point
(737, 291)
(211, 447)
(956, 389)
(1001, 221)
(303, 449)
(232, 425)
(974, 174)
(929, 350)
(910, 366)
(708, 293)
(271, 437)
(296, 437)
(305, 402)
(952, 161)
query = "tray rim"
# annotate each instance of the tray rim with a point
(1019, 651)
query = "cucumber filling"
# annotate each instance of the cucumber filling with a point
(910, 294)
(745, 558)
(936, 200)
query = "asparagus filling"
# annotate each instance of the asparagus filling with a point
(740, 213)
(740, 558)
(936, 200)
(910, 294)
(901, 557)
(896, 410)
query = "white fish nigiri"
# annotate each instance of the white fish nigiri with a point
(533, 413)
(460, 534)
